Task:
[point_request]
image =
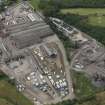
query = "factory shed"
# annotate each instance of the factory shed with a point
(29, 37)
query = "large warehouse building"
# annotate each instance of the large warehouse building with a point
(33, 35)
(25, 27)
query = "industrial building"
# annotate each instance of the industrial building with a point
(34, 56)
(25, 28)
(31, 36)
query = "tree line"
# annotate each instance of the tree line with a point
(5, 3)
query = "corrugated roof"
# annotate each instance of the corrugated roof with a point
(29, 37)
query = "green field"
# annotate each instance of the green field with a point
(82, 86)
(96, 16)
(4, 102)
(84, 11)
(10, 96)
(96, 21)
(34, 3)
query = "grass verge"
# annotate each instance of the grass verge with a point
(9, 94)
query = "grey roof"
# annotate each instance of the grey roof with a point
(32, 35)
(19, 25)
(26, 27)
(22, 42)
